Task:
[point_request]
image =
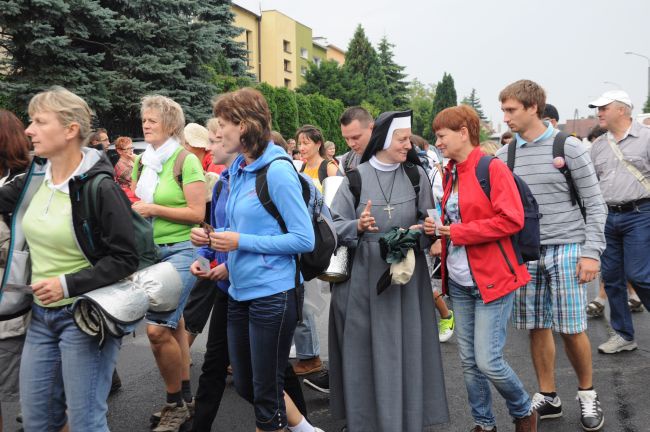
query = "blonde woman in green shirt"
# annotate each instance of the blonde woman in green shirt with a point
(65, 375)
(175, 202)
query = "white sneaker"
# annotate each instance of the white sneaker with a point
(616, 344)
(292, 352)
(318, 429)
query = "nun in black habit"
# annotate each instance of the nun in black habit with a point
(385, 364)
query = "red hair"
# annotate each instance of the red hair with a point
(122, 142)
(458, 117)
(14, 145)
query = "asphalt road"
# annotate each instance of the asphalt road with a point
(622, 381)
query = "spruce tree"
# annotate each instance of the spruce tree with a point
(445, 95)
(473, 101)
(646, 108)
(365, 72)
(397, 86)
(113, 52)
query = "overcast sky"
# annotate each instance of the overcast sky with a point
(570, 47)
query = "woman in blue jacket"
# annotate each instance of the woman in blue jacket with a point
(263, 304)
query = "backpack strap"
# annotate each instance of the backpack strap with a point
(558, 151)
(413, 174)
(483, 174)
(91, 204)
(218, 188)
(512, 149)
(178, 167)
(354, 178)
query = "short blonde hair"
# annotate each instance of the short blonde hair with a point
(212, 124)
(67, 106)
(490, 147)
(171, 114)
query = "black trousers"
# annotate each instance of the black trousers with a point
(199, 305)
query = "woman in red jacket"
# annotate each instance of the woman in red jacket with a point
(480, 270)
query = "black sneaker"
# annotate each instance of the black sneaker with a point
(116, 383)
(591, 415)
(320, 382)
(547, 407)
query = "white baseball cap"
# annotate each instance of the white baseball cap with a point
(196, 135)
(610, 96)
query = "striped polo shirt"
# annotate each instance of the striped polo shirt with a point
(562, 222)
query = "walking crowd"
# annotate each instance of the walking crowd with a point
(509, 232)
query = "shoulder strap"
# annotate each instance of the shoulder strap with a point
(631, 168)
(91, 203)
(558, 151)
(413, 174)
(322, 170)
(218, 187)
(483, 174)
(354, 178)
(303, 166)
(512, 149)
(178, 167)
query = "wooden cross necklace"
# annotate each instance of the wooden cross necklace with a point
(388, 208)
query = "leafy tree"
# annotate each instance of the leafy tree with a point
(473, 101)
(113, 52)
(420, 98)
(303, 104)
(268, 92)
(445, 95)
(365, 72)
(397, 87)
(327, 79)
(287, 111)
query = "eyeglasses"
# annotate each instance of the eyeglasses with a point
(128, 149)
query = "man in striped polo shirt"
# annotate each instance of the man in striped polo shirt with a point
(555, 298)
(626, 188)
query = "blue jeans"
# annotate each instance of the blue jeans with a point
(626, 258)
(259, 339)
(481, 335)
(63, 368)
(181, 255)
(306, 336)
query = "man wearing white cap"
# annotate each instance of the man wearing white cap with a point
(622, 161)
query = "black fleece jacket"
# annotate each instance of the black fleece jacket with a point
(111, 249)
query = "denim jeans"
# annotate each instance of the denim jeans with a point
(259, 339)
(306, 335)
(481, 335)
(626, 258)
(181, 255)
(63, 369)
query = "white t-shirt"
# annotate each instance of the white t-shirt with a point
(457, 264)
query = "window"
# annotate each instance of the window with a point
(287, 83)
(317, 61)
(303, 70)
(304, 53)
(287, 66)
(249, 38)
(286, 45)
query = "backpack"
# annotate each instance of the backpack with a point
(145, 246)
(527, 241)
(314, 263)
(354, 178)
(177, 169)
(558, 151)
(322, 170)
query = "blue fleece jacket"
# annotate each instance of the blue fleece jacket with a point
(218, 220)
(264, 263)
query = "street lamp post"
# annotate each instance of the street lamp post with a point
(648, 59)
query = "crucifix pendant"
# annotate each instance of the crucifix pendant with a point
(388, 208)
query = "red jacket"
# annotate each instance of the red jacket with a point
(486, 227)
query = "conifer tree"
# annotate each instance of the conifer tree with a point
(445, 95)
(473, 101)
(397, 86)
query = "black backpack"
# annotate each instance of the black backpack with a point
(527, 241)
(314, 263)
(558, 151)
(145, 246)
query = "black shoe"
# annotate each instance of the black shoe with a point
(547, 408)
(591, 415)
(320, 382)
(19, 417)
(116, 383)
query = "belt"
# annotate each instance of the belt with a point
(628, 206)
